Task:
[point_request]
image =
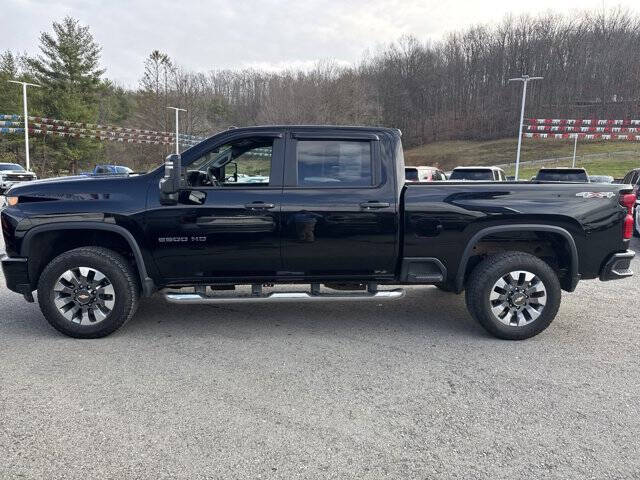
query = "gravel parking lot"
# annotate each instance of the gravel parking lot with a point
(411, 389)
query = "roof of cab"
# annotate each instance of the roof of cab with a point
(317, 127)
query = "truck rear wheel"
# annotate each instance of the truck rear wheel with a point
(514, 295)
(88, 292)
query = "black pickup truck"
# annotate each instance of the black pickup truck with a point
(325, 207)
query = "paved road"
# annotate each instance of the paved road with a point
(413, 389)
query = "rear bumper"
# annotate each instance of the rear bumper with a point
(617, 266)
(16, 274)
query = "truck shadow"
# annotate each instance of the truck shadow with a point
(424, 311)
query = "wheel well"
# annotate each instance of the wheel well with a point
(45, 246)
(553, 248)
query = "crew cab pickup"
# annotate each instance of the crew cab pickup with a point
(331, 214)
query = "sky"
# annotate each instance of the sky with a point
(267, 34)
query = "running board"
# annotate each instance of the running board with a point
(277, 297)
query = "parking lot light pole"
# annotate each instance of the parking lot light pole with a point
(525, 79)
(575, 148)
(177, 110)
(26, 117)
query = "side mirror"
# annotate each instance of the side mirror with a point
(172, 181)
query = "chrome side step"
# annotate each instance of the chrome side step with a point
(200, 297)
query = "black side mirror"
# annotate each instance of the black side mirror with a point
(172, 181)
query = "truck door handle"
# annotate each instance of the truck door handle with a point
(259, 206)
(373, 205)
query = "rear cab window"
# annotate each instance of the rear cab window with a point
(562, 176)
(472, 174)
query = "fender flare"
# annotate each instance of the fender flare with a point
(147, 283)
(525, 227)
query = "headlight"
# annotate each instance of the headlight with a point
(11, 201)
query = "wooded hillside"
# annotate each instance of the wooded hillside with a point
(454, 89)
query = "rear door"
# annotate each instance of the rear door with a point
(339, 208)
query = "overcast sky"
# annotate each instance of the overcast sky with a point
(272, 34)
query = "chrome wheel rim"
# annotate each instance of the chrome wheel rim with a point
(84, 295)
(518, 298)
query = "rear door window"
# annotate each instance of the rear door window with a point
(334, 163)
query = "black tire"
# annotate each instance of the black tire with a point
(636, 222)
(481, 283)
(114, 267)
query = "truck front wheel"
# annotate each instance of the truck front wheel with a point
(88, 292)
(514, 295)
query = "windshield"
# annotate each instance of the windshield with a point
(11, 166)
(562, 176)
(472, 174)
(411, 174)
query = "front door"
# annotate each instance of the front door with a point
(339, 208)
(227, 222)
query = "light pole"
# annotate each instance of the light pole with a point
(525, 79)
(575, 148)
(26, 117)
(178, 110)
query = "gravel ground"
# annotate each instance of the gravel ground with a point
(410, 389)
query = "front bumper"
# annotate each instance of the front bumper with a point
(617, 266)
(16, 274)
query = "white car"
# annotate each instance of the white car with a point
(478, 174)
(12, 173)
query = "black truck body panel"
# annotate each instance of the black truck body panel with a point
(285, 232)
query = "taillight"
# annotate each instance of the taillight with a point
(628, 200)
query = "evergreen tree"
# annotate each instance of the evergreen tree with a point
(68, 69)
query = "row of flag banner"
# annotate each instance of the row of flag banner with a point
(583, 136)
(64, 131)
(115, 138)
(582, 129)
(582, 122)
(569, 129)
(50, 126)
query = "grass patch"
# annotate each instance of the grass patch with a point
(450, 154)
(615, 165)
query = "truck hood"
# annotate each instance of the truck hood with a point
(77, 184)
